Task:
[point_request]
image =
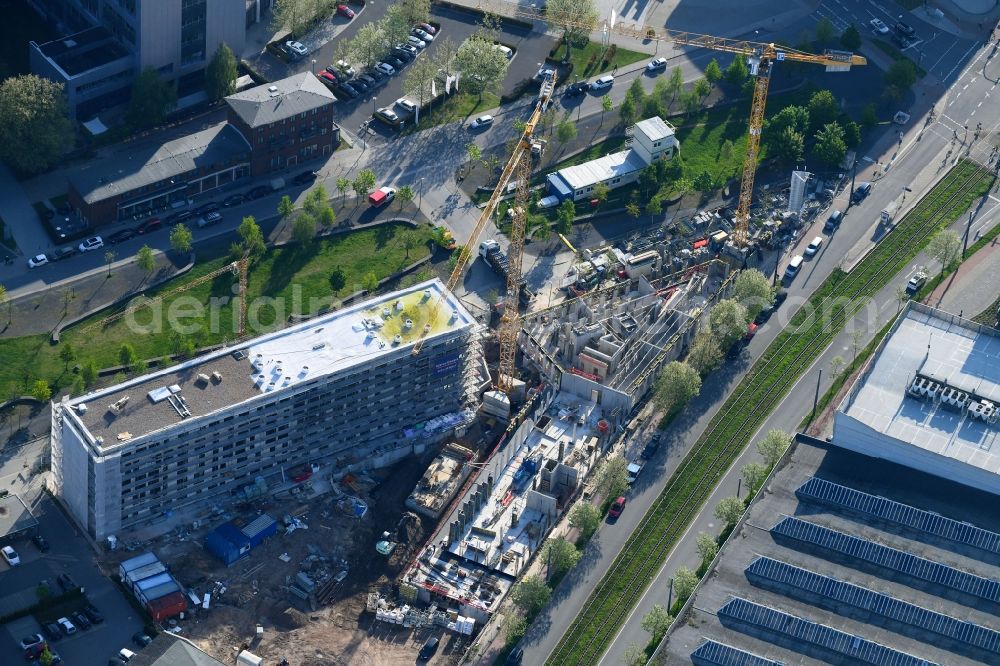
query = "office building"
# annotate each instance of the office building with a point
(109, 42)
(343, 390)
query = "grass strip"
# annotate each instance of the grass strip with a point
(767, 382)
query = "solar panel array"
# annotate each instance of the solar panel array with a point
(711, 653)
(886, 557)
(802, 633)
(834, 594)
(834, 494)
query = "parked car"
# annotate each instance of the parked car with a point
(416, 42)
(751, 331)
(860, 192)
(602, 83)
(51, 630)
(406, 105)
(179, 216)
(905, 29)
(397, 63)
(37, 260)
(141, 639)
(376, 74)
(34, 639)
(766, 313)
(258, 192)
(879, 27)
(386, 114)
(81, 620)
(152, 224)
(67, 583)
(9, 554)
(576, 89)
(385, 68)
(232, 200)
(361, 84)
(916, 282)
(40, 543)
(92, 243)
(814, 246)
(35, 651)
(326, 77)
(617, 507)
(832, 222)
(207, 220)
(429, 648)
(481, 121)
(793, 268)
(651, 447)
(297, 49)
(62, 253)
(93, 614)
(656, 65)
(402, 54)
(346, 90)
(121, 236)
(633, 471)
(345, 11)
(368, 78)
(409, 48)
(343, 66)
(427, 27)
(423, 34)
(67, 627)
(304, 178)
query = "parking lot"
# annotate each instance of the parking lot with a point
(69, 554)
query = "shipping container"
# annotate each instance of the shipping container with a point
(259, 529)
(228, 543)
(167, 607)
(135, 563)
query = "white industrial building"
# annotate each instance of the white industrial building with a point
(343, 389)
(649, 140)
(930, 399)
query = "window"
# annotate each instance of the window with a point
(657, 144)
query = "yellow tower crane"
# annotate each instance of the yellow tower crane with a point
(760, 57)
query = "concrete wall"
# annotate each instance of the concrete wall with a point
(225, 22)
(158, 35)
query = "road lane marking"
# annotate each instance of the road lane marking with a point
(948, 75)
(936, 62)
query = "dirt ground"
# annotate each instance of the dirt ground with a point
(257, 587)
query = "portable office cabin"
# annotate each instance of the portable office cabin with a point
(228, 543)
(166, 607)
(134, 563)
(260, 528)
(159, 591)
(142, 573)
(151, 582)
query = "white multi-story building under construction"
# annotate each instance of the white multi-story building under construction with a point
(343, 389)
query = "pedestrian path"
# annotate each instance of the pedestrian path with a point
(973, 287)
(19, 217)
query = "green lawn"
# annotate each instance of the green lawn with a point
(454, 108)
(580, 57)
(748, 406)
(296, 278)
(894, 53)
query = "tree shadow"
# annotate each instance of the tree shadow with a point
(383, 234)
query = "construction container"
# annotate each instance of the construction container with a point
(229, 543)
(142, 573)
(259, 529)
(167, 607)
(135, 563)
(158, 592)
(151, 582)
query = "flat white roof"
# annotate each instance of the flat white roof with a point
(602, 169)
(655, 128)
(948, 349)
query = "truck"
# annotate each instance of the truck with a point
(889, 213)
(496, 259)
(382, 196)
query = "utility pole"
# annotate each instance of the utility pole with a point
(819, 377)
(854, 173)
(965, 240)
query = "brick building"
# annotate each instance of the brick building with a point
(285, 122)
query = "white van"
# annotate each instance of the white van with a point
(793, 267)
(506, 50)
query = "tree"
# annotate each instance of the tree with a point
(702, 89)
(482, 66)
(152, 98)
(285, 207)
(612, 477)
(418, 82)
(690, 101)
(773, 446)
(850, 39)
(416, 11)
(708, 548)
(343, 184)
(675, 84)
(530, 595)
(869, 118)
(46, 658)
(67, 354)
(825, 32)
(89, 372)
(606, 105)
(145, 260)
(685, 581)
(559, 556)
(852, 133)
(901, 74)
(656, 622)
(127, 356)
(565, 215)
(585, 518)
(409, 242)
(369, 282)
(705, 354)
(475, 154)
(729, 510)
(703, 182)
(633, 210)
(753, 290)
(654, 207)
(823, 109)
(837, 363)
(251, 238)
(181, 238)
(945, 246)
(713, 73)
(291, 14)
(677, 384)
(221, 73)
(303, 228)
(368, 45)
(565, 131)
(364, 182)
(444, 55)
(601, 191)
(729, 321)
(576, 18)
(753, 475)
(634, 655)
(737, 72)
(338, 279)
(788, 145)
(396, 25)
(830, 147)
(41, 391)
(726, 151)
(109, 257)
(628, 110)
(404, 195)
(796, 117)
(35, 129)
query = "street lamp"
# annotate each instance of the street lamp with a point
(373, 104)
(421, 204)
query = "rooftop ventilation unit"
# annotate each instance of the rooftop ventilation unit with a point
(202, 379)
(216, 377)
(273, 91)
(118, 406)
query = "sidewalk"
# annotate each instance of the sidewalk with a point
(21, 219)
(972, 288)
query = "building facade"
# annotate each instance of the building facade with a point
(110, 42)
(343, 390)
(286, 122)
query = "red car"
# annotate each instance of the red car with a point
(345, 11)
(327, 77)
(617, 508)
(427, 27)
(751, 331)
